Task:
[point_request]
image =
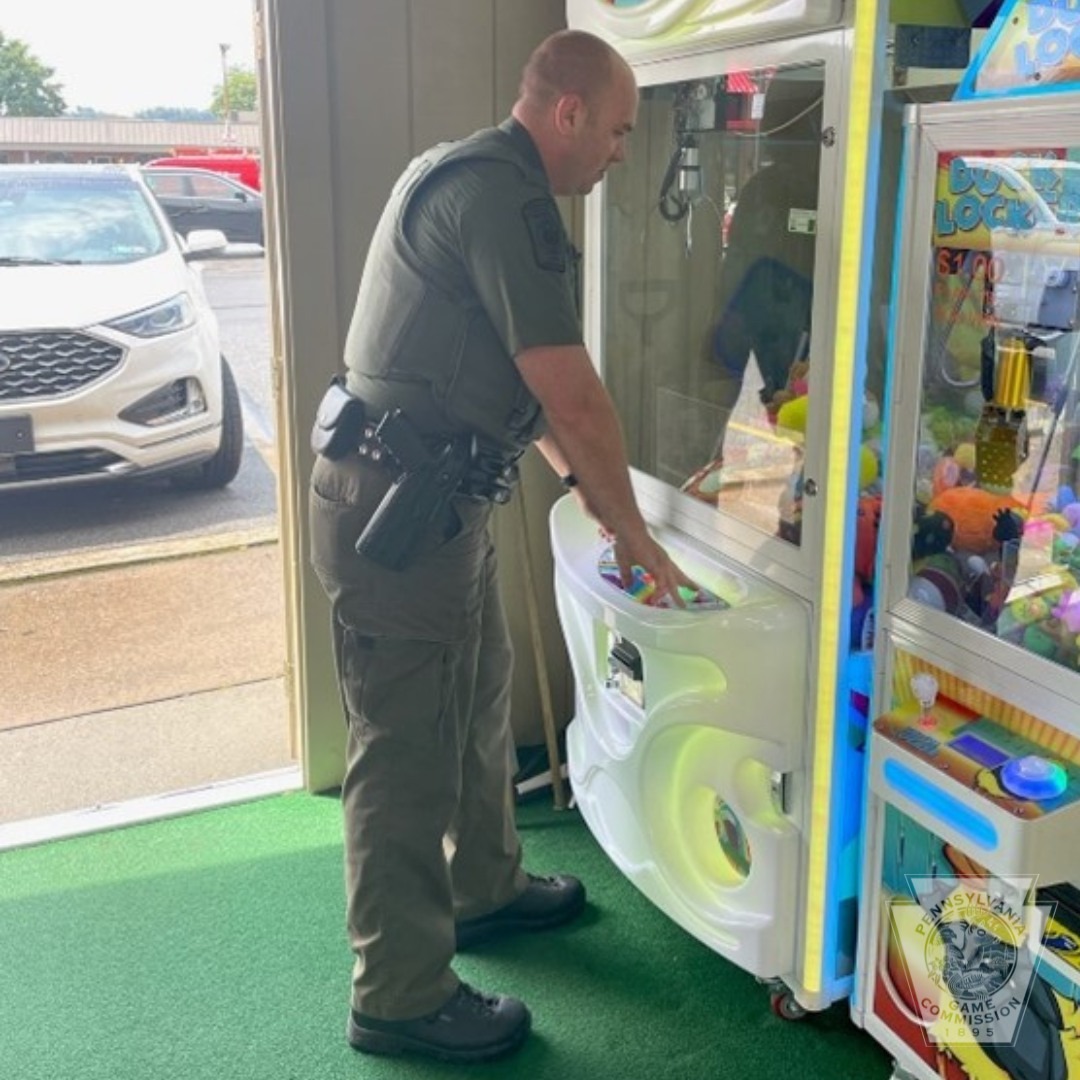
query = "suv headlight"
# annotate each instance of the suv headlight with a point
(165, 318)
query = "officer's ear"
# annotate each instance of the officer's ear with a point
(569, 114)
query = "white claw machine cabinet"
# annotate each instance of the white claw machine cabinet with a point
(717, 754)
(970, 941)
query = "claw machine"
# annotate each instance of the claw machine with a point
(970, 937)
(716, 752)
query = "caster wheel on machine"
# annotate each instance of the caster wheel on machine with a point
(784, 1005)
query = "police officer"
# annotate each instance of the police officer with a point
(466, 321)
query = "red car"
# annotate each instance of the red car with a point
(244, 167)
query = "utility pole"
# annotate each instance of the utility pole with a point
(225, 92)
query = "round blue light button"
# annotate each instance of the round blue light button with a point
(1033, 777)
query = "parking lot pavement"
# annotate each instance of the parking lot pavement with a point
(81, 643)
(83, 521)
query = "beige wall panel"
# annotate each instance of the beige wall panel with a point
(371, 126)
(520, 25)
(453, 65)
(298, 178)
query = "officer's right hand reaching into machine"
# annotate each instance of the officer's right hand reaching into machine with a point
(645, 553)
(657, 563)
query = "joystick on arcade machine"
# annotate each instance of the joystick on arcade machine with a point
(970, 928)
(715, 751)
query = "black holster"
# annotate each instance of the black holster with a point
(417, 504)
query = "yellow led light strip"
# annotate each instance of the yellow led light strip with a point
(834, 557)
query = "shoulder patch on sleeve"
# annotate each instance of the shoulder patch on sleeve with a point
(546, 233)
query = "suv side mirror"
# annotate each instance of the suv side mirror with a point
(202, 242)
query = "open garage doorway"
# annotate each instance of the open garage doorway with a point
(142, 619)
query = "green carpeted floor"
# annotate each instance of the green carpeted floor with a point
(212, 947)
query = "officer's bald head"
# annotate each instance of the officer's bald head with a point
(570, 62)
(578, 101)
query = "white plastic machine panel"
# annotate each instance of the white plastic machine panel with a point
(688, 736)
(656, 25)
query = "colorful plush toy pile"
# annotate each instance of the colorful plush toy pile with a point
(1011, 567)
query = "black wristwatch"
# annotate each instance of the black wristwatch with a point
(568, 481)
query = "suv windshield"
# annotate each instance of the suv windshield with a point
(59, 218)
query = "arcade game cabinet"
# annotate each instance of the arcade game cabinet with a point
(970, 936)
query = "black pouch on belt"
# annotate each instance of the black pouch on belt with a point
(339, 421)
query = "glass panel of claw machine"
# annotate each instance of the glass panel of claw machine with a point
(996, 540)
(709, 238)
(976, 761)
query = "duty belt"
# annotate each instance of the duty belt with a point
(491, 474)
(344, 424)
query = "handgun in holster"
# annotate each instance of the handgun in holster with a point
(492, 472)
(418, 501)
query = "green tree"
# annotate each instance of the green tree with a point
(243, 92)
(26, 84)
(174, 113)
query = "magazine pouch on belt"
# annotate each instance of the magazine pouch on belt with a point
(339, 422)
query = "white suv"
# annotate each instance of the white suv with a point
(109, 358)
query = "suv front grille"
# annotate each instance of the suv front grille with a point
(49, 363)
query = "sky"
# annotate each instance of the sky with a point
(121, 56)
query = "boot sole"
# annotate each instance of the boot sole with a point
(386, 1044)
(468, 936)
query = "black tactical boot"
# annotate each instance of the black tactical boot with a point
(471, 1026)
(546, 902)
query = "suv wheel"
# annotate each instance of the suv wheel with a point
(222, 468)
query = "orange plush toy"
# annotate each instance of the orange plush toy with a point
(972, 513)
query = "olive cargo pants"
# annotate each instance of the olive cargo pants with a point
(424, 662)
